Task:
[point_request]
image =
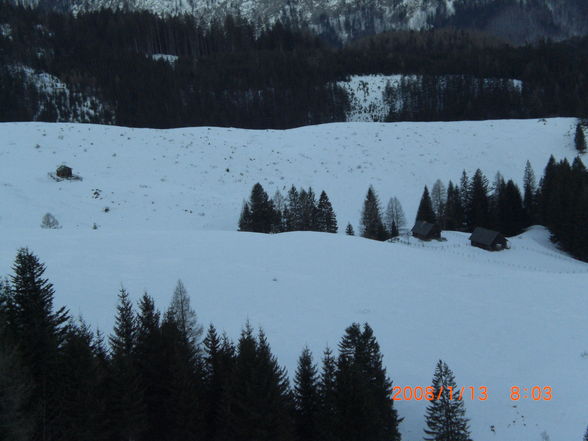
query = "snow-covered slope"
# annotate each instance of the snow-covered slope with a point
(197, 178)
(498, 319)
(516, 317)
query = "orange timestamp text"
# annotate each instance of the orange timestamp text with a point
(418, 393)
(430, 393)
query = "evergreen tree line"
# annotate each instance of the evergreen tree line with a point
(157, 376)
(297, 211)
(559, 201)
(231, 73)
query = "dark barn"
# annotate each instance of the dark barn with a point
(426, 231)
(488, 239)
(63, 171)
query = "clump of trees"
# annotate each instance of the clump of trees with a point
(155, 377)
(559, 201)
(298, 211)
(378, 227)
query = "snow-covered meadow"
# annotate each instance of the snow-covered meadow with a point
(515, 318)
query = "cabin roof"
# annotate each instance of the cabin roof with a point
(484, 236)
(423, 228)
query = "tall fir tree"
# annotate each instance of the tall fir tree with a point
(364, 405)
(39, 332)
(127, 409)
(263, 216)
(306, 398)
(425, 211)
(327, 388)
(580, 139)
(445, 415)
(325, 219)
(372, 226)
(294, 210)
(478, 210)
(184, 316)
(454, 213)
(529, 195)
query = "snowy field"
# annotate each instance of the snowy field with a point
(515, 318)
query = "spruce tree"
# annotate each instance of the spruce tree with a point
(478, 210)
(372, 226)
(454, 214)
(349, 230)
(245, 221)
(530, 195)
(511, 215)
(425, 211)
(364, 405)
(328, 397)
(15, 384)
(82, 402)
(151, 367)
(263, 216)
(126, 400)
(580, 139)
(326, 220)
(445, 416)
(39, 333)
(293, 218)
(306, 398)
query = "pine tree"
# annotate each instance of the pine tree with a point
(580, 139)
(325, 219)
(425, 211)
(372, 226)
(445, 417)
(349, 230)
(328, 397)
(151, 367)
(39, 333)
(306, 398)
(364, 405)
(82, 403)
(530, 195)
(294, 211)
(511, 215)
(219, 361)
(126, 400)
(263, 216)
(260, 398)
(454, 213)
(478, 210)
(15, 384)
(245, 221)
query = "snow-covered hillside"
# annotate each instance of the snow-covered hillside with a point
(514, 318)
(197, 178)
(498, 319)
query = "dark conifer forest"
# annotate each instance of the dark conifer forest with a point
(234, 74)
(162, 376)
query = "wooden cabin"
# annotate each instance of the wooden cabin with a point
(65, 172)
(488, 239)
(426, 231)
